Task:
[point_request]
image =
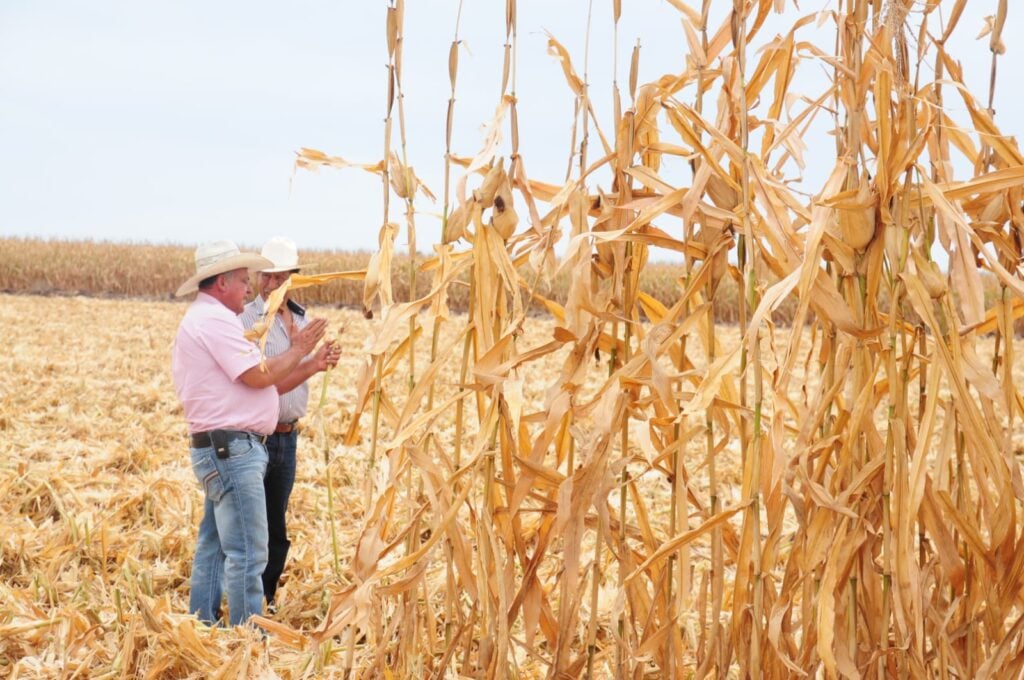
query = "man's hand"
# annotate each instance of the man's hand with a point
(305, 340)
(327, 356)
(281, 370)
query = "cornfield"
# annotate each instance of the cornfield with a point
(631, 489)
(147, 271)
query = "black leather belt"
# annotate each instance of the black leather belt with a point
(201, 440)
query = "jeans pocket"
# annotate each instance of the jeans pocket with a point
(242, 446)
(209, 477)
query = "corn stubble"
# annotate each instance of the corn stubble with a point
(100, 505)
(834, 499)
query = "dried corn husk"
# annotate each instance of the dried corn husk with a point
(855, 215)
(931, 276)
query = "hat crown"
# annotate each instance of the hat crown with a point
(209, 254)
(282, 252)
(218, 257)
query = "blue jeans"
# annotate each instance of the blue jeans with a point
(232, 541)
(278, 487)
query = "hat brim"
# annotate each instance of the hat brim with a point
(242, 260)
(298, 267)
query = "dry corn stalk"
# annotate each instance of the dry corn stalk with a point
(827, 447)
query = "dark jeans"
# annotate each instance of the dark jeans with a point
(278, 487)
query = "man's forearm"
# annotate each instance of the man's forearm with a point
(277, 369)
(298, 375)
(283, 364)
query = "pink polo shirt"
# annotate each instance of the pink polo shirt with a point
(210, 352)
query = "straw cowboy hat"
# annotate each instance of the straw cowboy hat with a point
(218, 257)
(283, 255)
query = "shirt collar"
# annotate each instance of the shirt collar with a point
(261, 305)
(207, 299)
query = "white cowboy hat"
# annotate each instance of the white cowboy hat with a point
(218, 257)
(283, 255)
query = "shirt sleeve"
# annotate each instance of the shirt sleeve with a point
(224, 340)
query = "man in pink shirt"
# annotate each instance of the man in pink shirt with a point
(231, 404)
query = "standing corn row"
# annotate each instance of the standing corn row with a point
(861, 536)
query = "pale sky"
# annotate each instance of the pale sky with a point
(178, 121)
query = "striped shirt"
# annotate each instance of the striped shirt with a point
(293, 404)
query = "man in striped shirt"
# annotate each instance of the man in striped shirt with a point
(293, 395)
